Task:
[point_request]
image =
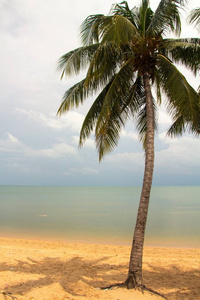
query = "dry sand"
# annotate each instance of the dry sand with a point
(56, 270)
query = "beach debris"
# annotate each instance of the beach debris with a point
(5, 294)
(42, 215)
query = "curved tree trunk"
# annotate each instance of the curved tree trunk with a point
(134, 279)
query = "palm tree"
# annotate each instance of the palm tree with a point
(126, 54)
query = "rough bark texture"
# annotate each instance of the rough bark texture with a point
(134, 279)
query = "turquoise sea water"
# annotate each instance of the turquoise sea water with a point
(100, 214)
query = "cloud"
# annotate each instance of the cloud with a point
(126, 159)
(83, 171)
(57, 151)
(23, 168)
(10, 20)
(10, 144)
(128, 134)
(164, 118)
(71, 120)
(182, 155)
(13, 139)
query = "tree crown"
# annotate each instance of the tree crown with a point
(118, 50)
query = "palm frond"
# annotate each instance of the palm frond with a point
(107, 133)
(92, 115)
(184, 51)
(118, 93)
(90, 33)
(136, 96)
(103, 29)
(177, 128)
(75, 61)
(166, 18)
(73, 97)
(103, 65)
(194, 17)
(182, 100)
(145, 15)
(180, 125)
(114, 31)
(122, 9)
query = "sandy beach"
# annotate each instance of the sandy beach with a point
(44, 270)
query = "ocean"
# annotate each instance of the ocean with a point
(100, 214)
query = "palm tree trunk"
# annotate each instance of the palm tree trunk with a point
(134, 279)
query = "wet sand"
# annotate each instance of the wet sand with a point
(43, 270)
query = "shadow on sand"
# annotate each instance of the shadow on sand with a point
(98, 273)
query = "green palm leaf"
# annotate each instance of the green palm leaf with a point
(194, 17)
(92, 116)
(118, 93)
(166, 18)
(108, 134)
(177, 128)
(145, 15)
(180, 125)
(182, 99)
(73, 97)
(184, 51)
(114, 32)
(75, 61)
(108, 131)
(90, 29)
(103, 65)
(122, 9)
(103, 29)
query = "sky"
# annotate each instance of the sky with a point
(39, 148)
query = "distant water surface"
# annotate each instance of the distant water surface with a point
(100, 214)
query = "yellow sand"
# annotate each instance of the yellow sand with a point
(43, 270)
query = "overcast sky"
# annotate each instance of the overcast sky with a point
(39, 148)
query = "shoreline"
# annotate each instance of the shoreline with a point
(44, 270)
(147, 244)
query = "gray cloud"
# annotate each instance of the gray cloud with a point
(73, 120)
